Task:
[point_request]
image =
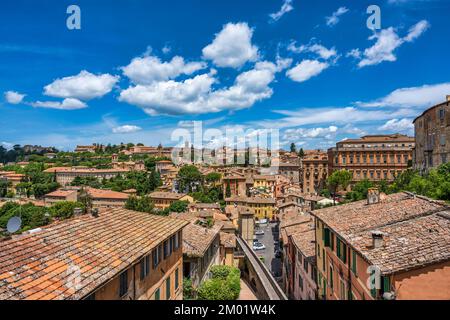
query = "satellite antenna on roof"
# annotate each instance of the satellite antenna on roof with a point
(14, 224)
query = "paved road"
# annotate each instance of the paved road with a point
(272, 263)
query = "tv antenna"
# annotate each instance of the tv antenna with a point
(14, 224)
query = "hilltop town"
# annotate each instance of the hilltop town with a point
(367, 219)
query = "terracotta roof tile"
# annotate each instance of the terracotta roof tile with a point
(305, 242)
(353, 217)
(197, 239)
(166, 195)
(40, 265)
(409, 244)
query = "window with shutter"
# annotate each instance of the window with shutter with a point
(354, 261)
(147, 265)
(142, 269)
(338, 247)
(327, 237)
(168, 294)
(386, 284)
(332, 241)
(344, 253)
(123, 283)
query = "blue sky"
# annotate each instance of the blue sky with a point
(137, 70)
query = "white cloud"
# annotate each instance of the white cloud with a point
(285, 8)
(354, 53)
(66, 104)
(318, 49)
(334, 18)
(147, 69)
(416, 30)
(84, 86)
(196, 95)
(126, 129)
(232, 47)
(387, 41)
(14, 97)
(396, 125)
(348, 128)
(310, 132)
(6, 145)
(383, 49)
(332, 115)
(166, 49)
(423, 96)
(306, 69)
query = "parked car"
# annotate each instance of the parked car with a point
(259, 232)
(262, 221)
(258, 246)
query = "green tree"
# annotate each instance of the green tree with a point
(64, 209)
(86, 200)
(178, 206)
(141, 204)
(337, 179)
(41, 189)
(189, 291)
(189, 178)
(4, 185)
(213, 177)
(301, 153)
(359, 190)
(293, 148)
(223, 285)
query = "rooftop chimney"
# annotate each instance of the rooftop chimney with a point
(77, 212)
(94, 212)
(377, 239)
(373, 196)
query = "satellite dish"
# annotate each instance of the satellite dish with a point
(14, 224)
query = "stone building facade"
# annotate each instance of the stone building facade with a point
(374, 157)
(314, 171)
(432, 133)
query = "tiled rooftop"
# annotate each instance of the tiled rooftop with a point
(82, 170)
(251, 200)
(354, 217)
(228, 240)
(38, 265)
(166, 195)
(304, 241)
(106, 194)
(407, 245)
(197, 239)
(61, 193)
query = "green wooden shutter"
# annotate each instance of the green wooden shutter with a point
(373, 289)
(344, 252)
(327, 237)
(386, 284)
(338, 247)
(354, 261)
(168, 294)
